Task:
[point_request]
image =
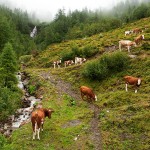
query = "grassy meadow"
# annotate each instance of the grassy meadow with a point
(124, 117)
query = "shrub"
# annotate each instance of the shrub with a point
(105, 66)
(89, 51)
(25, 58)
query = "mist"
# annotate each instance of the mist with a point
(46, 10)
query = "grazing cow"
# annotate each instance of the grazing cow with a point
(128, 32)
(68, 62)
(126, 43)
(137, 30)
(132, 81)
(37, 119)
(88, 92)
(58, 63)
(139, 39)
(79, 60)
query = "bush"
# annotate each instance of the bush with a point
(25, 58)
(89, 51)
(108, 64)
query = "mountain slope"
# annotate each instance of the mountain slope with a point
(121, 119)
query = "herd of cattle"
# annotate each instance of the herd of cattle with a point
(38, 116)
(78, 60)
(128, 43)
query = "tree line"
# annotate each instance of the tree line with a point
(84, 23)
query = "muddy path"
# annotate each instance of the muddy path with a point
(66, 88)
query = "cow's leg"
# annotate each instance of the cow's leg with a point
(126, 87)
(38, 133)
(136, 89)
(34, 130)
(82, 95)
(128, 49)
(42, 123)
(120, 46)
(54, 66)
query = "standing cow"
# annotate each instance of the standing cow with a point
(79, 60)
(139, 39)
(132, 81)
(68, 62)
(57, 63)
(37, 119)
(126, 43)
(88, 92)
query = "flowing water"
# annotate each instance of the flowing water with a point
(22, 115)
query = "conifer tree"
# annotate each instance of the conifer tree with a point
(8, 65)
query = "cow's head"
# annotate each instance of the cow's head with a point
(48, 112)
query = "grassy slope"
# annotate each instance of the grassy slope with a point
(125, 117)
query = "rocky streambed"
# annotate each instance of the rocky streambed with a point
(22, 115)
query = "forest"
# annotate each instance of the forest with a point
(16, 43)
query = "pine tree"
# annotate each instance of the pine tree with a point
(8, 65)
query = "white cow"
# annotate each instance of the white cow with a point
(128, 32)
(79, 60)
(58, 63)
(126, 43)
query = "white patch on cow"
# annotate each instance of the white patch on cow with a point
(142, 36)
(38, 133)
(139, 81)
(42, 121)
(34, 133)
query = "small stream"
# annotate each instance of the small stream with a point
(22, 115)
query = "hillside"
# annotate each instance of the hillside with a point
(119, 120)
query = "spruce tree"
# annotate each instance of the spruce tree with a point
(8, 65)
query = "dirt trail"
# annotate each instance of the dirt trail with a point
(64, 87)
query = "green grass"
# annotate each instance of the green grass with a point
(124, 119)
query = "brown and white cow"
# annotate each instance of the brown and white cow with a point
(57, 63)
(128, 32)
(88, 92)
(37, 119)
(68, 62)
(132, 81)
(126, 43)
(79, 60)
(137, 30)
(139, 39)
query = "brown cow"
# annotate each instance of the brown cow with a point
(132, 81)
(58, 63)
(126, 43)
(137, 30)
(37, 119)
(68, 62)
(139, 39)
(88, 92)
